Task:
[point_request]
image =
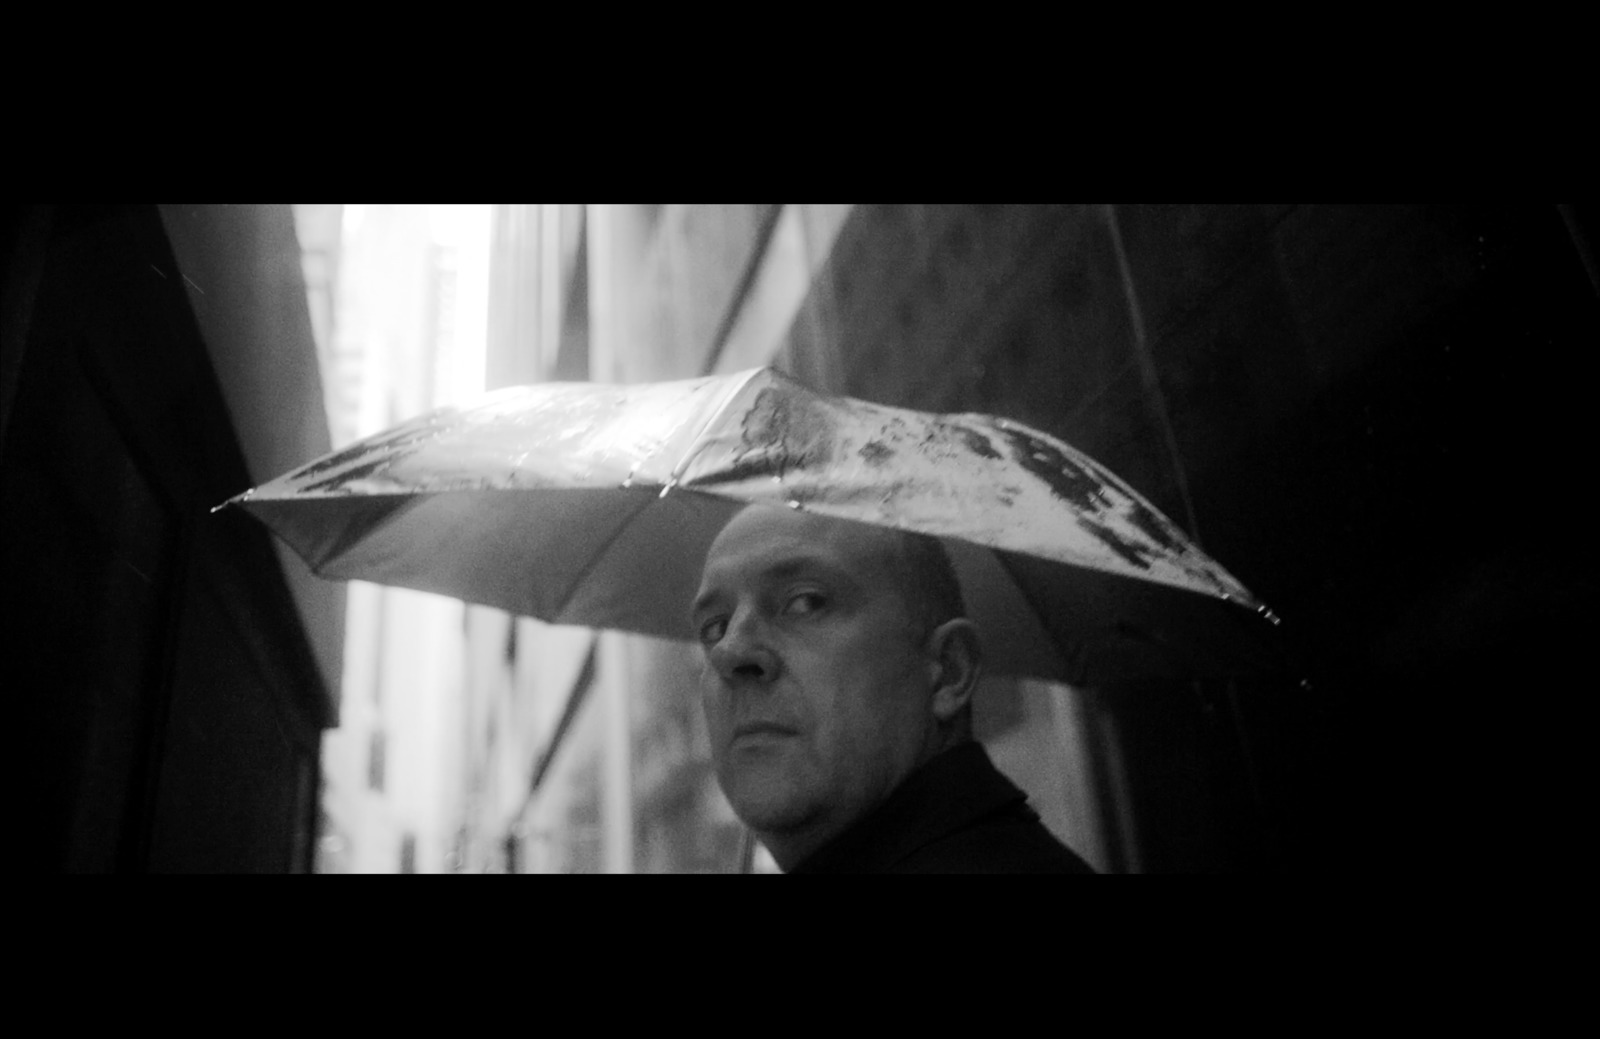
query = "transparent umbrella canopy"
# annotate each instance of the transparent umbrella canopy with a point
(581, 503)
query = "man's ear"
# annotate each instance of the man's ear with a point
(956, 660)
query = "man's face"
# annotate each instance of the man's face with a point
(817, 693)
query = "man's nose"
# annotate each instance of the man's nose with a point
(744, 653)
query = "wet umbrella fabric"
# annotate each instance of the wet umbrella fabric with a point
(589, 504)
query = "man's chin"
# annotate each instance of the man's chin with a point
(767, 804)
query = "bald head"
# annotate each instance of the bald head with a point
(918, 566)
(838, 661)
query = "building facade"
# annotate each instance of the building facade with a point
(1337, 402)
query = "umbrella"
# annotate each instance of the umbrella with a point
(580, 503)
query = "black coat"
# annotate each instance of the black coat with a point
(956, 814)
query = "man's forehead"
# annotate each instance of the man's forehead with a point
(773, 538)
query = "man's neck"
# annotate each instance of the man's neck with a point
(793, 846)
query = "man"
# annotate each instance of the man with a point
(838, 686)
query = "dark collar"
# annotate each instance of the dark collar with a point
(947, 794)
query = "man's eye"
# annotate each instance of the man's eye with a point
(711, 631)
(804, 603)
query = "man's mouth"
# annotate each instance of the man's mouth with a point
(758, 729)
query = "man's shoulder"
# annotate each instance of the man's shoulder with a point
(1009, 840)
(957, 814)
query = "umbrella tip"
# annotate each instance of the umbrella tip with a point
(236, 498)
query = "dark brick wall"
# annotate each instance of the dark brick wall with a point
(1372, 415)
(169, 707)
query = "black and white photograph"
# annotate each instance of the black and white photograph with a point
(1226, 539)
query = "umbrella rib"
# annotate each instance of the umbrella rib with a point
(348, 537)
(1072, 652)
(699, 442)
(595, 557)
